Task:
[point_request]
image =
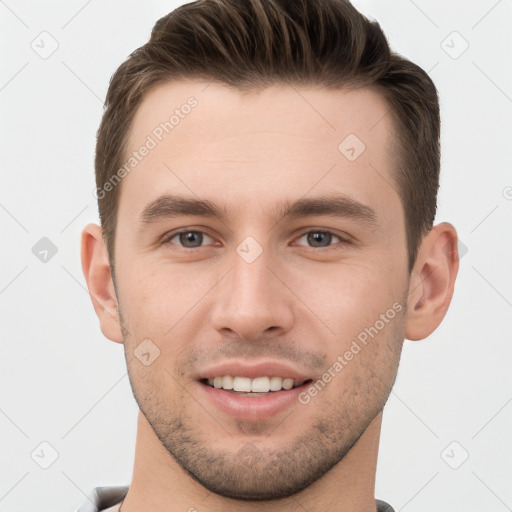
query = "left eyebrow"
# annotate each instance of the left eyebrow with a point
(335, 205)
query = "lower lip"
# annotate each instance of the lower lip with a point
(252, 408)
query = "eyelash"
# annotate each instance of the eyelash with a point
(171, 236)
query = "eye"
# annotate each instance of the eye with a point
(319, 239)
(188, 239)
(194, 239)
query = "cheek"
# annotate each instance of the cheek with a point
(365, 311)
(351, 298)
(156, 297)
(364, 355)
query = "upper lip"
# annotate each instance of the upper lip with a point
(244, 369)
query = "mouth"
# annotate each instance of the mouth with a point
(253, 399)
(254, 391)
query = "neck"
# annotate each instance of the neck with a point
(160, 484)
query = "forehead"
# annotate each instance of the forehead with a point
(209, 140)
(315, 112)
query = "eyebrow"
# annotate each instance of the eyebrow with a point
(334, 205)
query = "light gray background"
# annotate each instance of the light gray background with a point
(63, 383)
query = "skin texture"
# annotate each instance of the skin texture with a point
(300, 302)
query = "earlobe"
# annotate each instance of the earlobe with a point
(96, 269)
(432, 281)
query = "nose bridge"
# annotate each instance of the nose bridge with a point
(250, 275)
(252, 299)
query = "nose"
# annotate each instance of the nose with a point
(253, 300)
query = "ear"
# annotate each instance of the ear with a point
(432, 281)
(96, 269)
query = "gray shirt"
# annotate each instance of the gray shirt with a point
(102, 499)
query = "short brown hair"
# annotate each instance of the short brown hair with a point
(253, 44)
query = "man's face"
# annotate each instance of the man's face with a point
(256, 294)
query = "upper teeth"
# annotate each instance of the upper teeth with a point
(257, 385)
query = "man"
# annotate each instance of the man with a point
(267, 174)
